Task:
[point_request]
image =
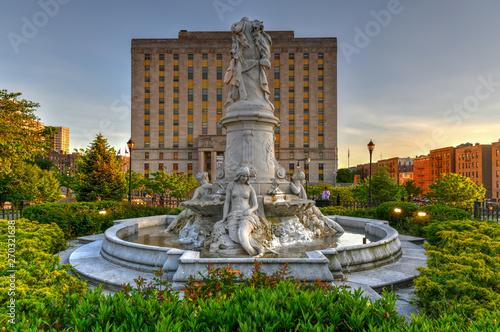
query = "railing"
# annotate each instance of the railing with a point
(10, 214)
(171, 202)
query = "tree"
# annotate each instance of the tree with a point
(22, 138)
(100, 173)
(412, 189)
(176, 184)
(138, 181)
(345, 176)
(384, 188)
(455, 190)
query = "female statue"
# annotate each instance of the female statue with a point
(250, 52)
(239, 217)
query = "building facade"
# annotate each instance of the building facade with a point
(178, 100)
(474, 162)
(495, 170)
(61, 140)
(422, 172)
(442, 162)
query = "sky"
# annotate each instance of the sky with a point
(412, 75)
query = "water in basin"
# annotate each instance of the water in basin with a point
(156, 236)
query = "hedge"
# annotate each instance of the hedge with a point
(80, 219)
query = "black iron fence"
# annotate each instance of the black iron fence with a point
(10, 214)
(169, 201)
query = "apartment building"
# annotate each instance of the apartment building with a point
(178, 102)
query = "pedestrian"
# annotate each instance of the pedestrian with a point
(325, 195)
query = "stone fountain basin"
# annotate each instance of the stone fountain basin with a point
(286, 208)
(325, 264)
(205, 208)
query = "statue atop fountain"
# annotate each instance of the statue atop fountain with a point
(250, 208)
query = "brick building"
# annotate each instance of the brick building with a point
(178, 96)
(474, 162)
(442, 162)
(495, 170)
(422, 172)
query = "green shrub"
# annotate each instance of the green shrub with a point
(333, 210)
(368, 213)
(39, 277)
(79, 219)
(463, 269)
(251, 306)
(386, 211)
(438, 212)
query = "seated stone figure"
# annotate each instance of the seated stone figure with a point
(312, 218)
(204, 191)
(239, 218)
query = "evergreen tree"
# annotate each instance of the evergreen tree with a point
(100, 173)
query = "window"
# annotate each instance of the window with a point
(190, 73)
(146, 68)
(320, 155)
(291, 100)
(190, 57)
(161, 111)
(146, 111)
(306, 67)
(190, 94)
(219, 94)
(176, 155)
(276, 56)
(205, 95)
(176, 122)
(204, 128)
(146, 90)
(176, 56)
(162, 68)
(146, 79)
(306, 78)
(306, 55)
(147, 56)
(162, 122)
(320, 78)
(176, 167)
(219, 56)
(162, 78)
(204, 56)
(291, 56)
(146, 122)
(146, 133)
(219, 73)
(161, 167)
(176, 133)
(320, 55)
(161, 89)
(161, 100)
(161, 155)
(291, 78)
(146, 155)
(291, 67)
(204, 73)
(291, 155)
(306, 89)
(162, 56)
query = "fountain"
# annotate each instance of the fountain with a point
(251, 210)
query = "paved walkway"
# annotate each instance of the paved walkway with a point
(397, 276)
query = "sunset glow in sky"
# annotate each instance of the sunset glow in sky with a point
(412, 75)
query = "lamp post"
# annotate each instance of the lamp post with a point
(130, 145)
(371, 146)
